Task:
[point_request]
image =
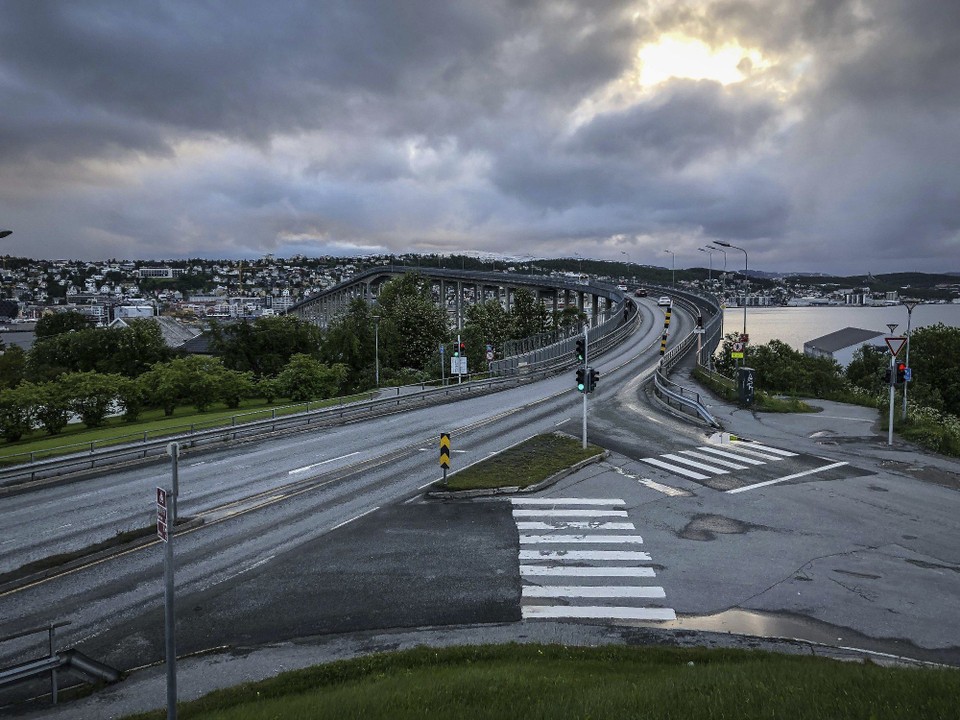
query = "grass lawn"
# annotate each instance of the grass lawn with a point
(551, 682)
(155, 424)
(525, 464)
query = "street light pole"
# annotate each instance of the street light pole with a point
(376, 347)
(746, 280)
(673, 267)
(710, 271)
(910, 305)
(624, 252)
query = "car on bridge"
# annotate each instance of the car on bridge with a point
(640, 292)
(664, 301)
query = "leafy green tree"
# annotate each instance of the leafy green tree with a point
(269, 388)
(412, 326)
(485, 323)
(528, 315)
(351, 340)
(131, 396)
(935, 366)
(235, 386)
(866, 369)
(57, 323)
(162, 386)
(198, 378)
(305, 378)
(133, 349)
(90, 395)
(17, 412)
(13, 366)
(52, 406)
(266, 345)
(570, 318)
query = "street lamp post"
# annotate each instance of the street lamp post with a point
(909, 305)
(376, 348)
(624, 252)
(3, 234)
(673, 267)
(710, 271)
(746, 281)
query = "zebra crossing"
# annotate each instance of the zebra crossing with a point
(709, 461)
(597, 573)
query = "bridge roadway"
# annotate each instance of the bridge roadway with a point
(821, 534)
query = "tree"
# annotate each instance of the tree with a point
(486, 323)
(52, 406)
(350, 340)
(266, 345)
(90, 395)
(866, 369)
(135, 348)
(17, 408)
(305, 378)
(131, 396)
(935, 366)
(235, 386)
(13, 366)
(571, 317)
(58, 323)
(528, 316)
(162, 386)
(412, 326)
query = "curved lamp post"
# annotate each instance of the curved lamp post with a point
(673, 267)
(746, 279)
(710, 271)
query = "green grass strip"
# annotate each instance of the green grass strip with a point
(522, 465)
(552, 682)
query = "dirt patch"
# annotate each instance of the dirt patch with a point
(706, 528)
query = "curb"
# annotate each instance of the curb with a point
(513, 489)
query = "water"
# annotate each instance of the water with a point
(797, 325)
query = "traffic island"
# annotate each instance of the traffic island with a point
(527, 467)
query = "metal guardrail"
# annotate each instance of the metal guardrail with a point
(670, 391)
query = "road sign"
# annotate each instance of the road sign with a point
(908, 374)
(162, 514)
(744, 338)
(737, 355)
(489, 354)
(458, 365)
(445, 450)
(895, 344)
(738, 347)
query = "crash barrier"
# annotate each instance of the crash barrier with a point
(54, 662)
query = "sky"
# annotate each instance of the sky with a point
(817, 135)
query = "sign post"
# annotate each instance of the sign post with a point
(586, 349)
(894, 344)
(445, 454)
(168, 509)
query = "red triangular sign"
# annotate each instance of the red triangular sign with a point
(895, 344)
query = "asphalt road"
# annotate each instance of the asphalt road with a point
(821, 532)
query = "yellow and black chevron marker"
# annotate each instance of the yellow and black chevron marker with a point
(666, 326)
(445, 451)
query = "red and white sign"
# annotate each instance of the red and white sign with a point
(895, 344)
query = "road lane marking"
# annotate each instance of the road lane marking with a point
(665, 489)
(584, 555)
(598, 613)
(675, 469)
(597, 539)
(569, 513)
(777, 451)
(566, 501)
(717, 461)
(355, 517)
(574, 571)
(788, 477)
(311, 467)
(754, 453)
(693, 463)
(561, 591)
(575, 525)
(738, 458)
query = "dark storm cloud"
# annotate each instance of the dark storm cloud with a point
(240, 127)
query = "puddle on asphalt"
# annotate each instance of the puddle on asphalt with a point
(707, 527)
(794, 627)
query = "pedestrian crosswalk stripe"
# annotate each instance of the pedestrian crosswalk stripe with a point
(575, 525)
(566, 501)
(577, 571)
(693, 463)
(755, 453)
(599, 613)
(776, 451)
(570, 513)
(675, 469)
(596, 539)
(738, 458)
(574, 591)
(584, 555)
(717, 461)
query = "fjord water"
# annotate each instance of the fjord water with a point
(797, 325)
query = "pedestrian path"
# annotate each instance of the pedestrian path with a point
(707, 461)
(597, 572)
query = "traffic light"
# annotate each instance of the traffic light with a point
(581, 349)
(901, 372)
(463, 348)
(581, 379)
(593, 377)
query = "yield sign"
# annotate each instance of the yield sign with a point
(895, 344)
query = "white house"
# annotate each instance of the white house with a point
(842, 344)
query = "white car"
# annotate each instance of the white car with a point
(664, 301)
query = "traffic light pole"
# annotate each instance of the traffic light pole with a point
(586, 343)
